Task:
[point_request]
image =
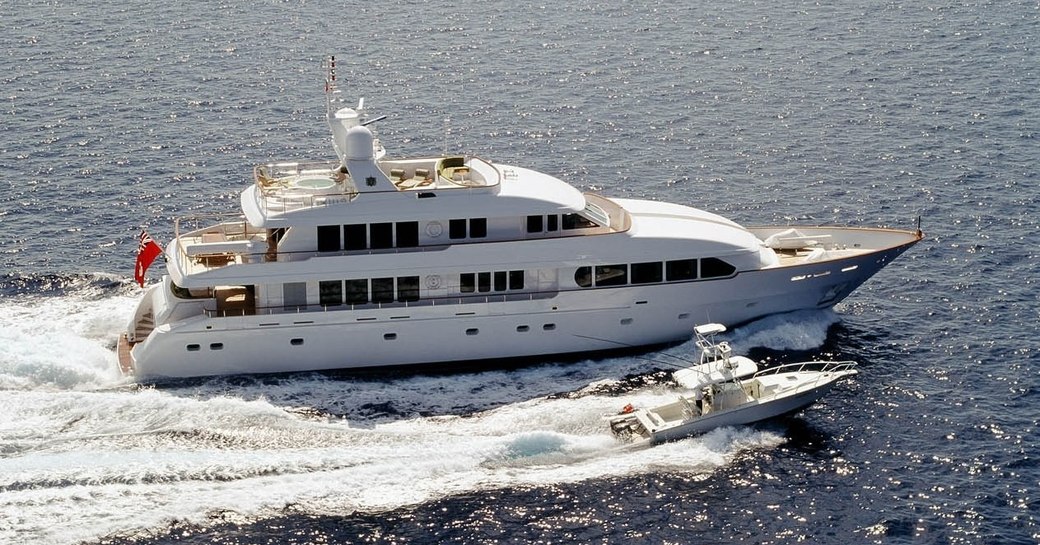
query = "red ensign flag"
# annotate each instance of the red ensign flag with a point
(147, 251)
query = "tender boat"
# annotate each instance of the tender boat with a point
(378, 261)
(727, 390)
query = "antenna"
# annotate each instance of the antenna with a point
(330, 84)
(447, 129)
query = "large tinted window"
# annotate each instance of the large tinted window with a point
(713, 267)
(354, 236)
(534, 224)
(484, 281)
(516, 280)
(478, 228)
(407, 234)
(407, 288)
(611, 275)
(576, 221)
(467, 282)
(381, 235)
(330, 292)
(683, 269)
(500, 281)
(382, 290)
(356, 292)
(646, 273)
(328, 238)
(457, 229)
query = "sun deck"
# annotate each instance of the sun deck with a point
(291, 186)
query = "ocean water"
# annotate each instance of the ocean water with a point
(118, 115)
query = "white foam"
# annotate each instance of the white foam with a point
(60, 342)
(132, 460)
(75, 448)
(800, 330)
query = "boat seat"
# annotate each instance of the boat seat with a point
(396, 175)
(421, 178)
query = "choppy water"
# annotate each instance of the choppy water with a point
(117, 115)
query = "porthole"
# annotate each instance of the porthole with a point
(549, 327)
(626, 321)
(216, 346)
(472, 331)
(389, 336)
(296, 342)
(193, 348)
(523, 328)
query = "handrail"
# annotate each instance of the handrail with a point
(820, 366)
(236, 229)
(427, 302)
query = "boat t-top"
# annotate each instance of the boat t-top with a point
(727, 390)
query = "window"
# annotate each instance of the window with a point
(354, 236)
(357, 291)
(611, 275)
(554, 222)
(483, 282)
(534, 224)
(583, 276)
(576, 221)
(330, 292)
(328, 238)
(713, 267)
(294, 294)
(478, 228)
(407, 288)
(683, 269)
(296, 342)
(407, 234)
(646, 273)
(516, 280)
(457, 229)
(500, 281)
(382, 290)
(467, 282)
(381, 235)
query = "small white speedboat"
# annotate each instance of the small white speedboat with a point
(727, 390)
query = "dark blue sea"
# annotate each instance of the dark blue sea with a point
(118, 115)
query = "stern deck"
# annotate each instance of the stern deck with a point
(126, 361)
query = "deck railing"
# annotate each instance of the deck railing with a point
(819, 366)
(426, 302)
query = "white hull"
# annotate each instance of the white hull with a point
(569, 322)
(726, 390)
(749, 413)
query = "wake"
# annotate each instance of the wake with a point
(77, 442)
